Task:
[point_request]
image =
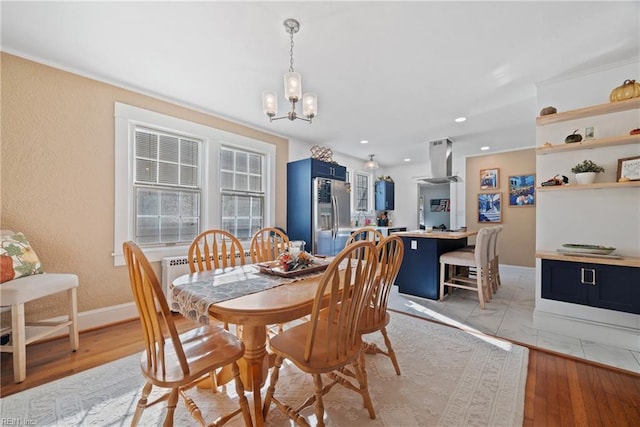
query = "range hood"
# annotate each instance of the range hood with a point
(440, 163)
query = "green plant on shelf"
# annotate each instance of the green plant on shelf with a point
(587, 166)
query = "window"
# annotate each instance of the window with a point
(362, 191)
(175, 178)
(166, 187)
(242, 192)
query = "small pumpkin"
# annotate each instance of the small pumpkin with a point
(629, 89)
(548, 110)
(574, 137)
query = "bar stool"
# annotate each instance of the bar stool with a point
(464, 278)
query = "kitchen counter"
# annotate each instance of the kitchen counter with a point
(437, 234)
(419, 273)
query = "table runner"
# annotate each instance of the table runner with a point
(194, 299)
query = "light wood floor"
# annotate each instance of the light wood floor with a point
(560, 391)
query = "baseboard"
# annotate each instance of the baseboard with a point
(518, 270)
(619, 336)
(99, 317)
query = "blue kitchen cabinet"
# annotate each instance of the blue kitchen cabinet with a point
(419, 273)
(385, 195)
(612, 287)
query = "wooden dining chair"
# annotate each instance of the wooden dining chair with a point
(331, 342)
(267, 243)
(375, 316)
(468, 270)
(177, 361)
(213, 249)
(365, 233)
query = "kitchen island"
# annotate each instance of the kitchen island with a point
(419, 273)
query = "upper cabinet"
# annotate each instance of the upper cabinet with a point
(327, 170)
(385, 195)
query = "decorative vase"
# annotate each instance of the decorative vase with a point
(585, 177)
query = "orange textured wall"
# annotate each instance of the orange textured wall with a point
(57, 173)
(517, 242)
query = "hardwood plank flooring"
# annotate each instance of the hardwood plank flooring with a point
(560, 390)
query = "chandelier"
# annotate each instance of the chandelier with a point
(292, 88)
(371, 164)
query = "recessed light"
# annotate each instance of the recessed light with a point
(484, 148)
(364, 141)
(407, 159)
(460, 119)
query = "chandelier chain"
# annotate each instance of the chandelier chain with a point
(291, 52)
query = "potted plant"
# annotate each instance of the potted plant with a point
(586, 171)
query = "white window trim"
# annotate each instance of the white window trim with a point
(370, 189)
(126, 118)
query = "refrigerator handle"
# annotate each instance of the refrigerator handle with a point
(334, 226)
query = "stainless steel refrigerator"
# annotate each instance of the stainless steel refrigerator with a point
(331, 216)
(318, 205)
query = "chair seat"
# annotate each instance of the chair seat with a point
(368, 323)
(459, 257)
(291, 345)
(24, 289)
(203, 347)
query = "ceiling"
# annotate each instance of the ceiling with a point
(394, 73)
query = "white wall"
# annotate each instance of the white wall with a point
(605, 217)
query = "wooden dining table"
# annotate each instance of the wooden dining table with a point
(285, 299)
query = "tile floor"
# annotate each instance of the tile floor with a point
(510, 315)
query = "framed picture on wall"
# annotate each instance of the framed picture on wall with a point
(489, 179)
(489, 207)
(522, 189)
(629, 168)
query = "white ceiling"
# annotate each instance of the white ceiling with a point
(394, 73)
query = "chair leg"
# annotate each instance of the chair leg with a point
(390, 352)
(442, 271)
(480, 280)
(319, 406)
(171, 408)
(73, 317)
(361, 376)
(18, 342)
(272, 386)
(244, 403)
(142, 404)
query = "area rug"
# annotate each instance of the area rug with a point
(449, 378)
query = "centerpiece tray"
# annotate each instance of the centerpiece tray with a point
(586, 249)
(275, 268)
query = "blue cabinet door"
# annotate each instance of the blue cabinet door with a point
(597, 285)
(385, 195)
(320, 169)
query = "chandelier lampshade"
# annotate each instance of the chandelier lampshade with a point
(371, 164)
(269, 103)
(292, 89)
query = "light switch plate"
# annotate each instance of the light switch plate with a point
(414, 244)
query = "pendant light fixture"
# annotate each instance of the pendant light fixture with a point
(292, 88)
(371, 164)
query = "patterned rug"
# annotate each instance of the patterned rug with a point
(449, 378)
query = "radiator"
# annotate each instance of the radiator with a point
(176, 266)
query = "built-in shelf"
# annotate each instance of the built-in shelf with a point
(625, 261)
(595, 186)
(594, 110)
(590, 143)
